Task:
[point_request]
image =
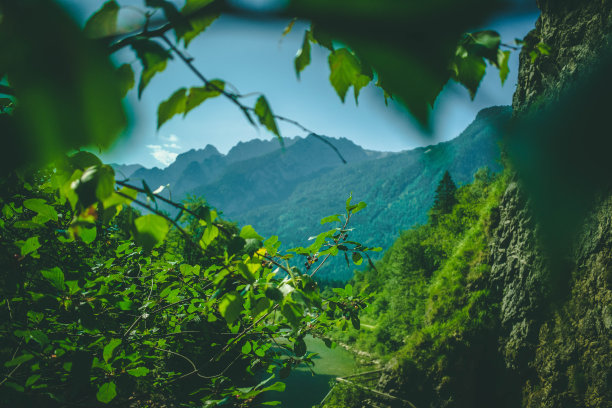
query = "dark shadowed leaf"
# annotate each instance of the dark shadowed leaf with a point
(107, 392)
(65, 85)
(153, 58)
(197, 95)
(103, 23)
(172, 106)
(266, 117)
(302, 58)
(150, 230)
(230, 306)
(55, 276)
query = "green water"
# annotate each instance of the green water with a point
(304, 389)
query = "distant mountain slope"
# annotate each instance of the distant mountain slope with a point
(286, 192)
(398, 188)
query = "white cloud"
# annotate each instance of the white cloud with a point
(172, 145)
(163, 156)
(170, 138)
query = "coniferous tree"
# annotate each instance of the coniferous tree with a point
(445, 197)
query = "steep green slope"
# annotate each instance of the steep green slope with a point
(433, 318)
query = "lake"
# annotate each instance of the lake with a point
(304, 389)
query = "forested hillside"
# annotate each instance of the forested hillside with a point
(283, 192)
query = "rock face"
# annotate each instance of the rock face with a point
(577, 32)
(560, 349)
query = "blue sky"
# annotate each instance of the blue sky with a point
(254, 57)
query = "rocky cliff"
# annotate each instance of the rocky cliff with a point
(557, 339)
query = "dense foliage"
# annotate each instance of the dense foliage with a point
(429, 296)
(100, 302)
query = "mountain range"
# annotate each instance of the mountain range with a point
(285, 191)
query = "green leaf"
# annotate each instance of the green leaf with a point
(357, 258)
(28, 246)
(82, 160)
(103, 23)
(277, 386)
(198, 95)
(32, 379)
(96, 184)
(302, 58)
(246, 348)
(266, 117)
(179, 22)
(125, 78)
(230, 306)
(358, 207)
(150, 230)
(19, 360)
(199, 18)
(289, 27)
(345, 71)
(172, 106)
(469, 71)
(210, 233)
(55, 276)
(299, 348)
(502, 61)
(244, 271)
(485, 44)
(331, 218)
(107, 353)
(45, 211)
(138, 372)
(355, 321)
(272, 244)
(292, 313)
(106, 393)
(248, 232)
(273, 293)
(153, 58)
(88, 235)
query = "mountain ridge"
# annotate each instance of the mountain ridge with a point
(286, 191)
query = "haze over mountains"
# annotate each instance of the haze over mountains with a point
(286, 192)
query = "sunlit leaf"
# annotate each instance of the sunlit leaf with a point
(248, 232)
